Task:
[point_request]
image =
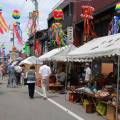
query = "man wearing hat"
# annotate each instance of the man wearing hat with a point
(87, 73)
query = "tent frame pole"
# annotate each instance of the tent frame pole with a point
(66, 79)
(118, 58)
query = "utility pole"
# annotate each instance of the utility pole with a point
(35, 15)
(13, 44)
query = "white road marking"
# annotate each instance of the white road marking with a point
(62, 107)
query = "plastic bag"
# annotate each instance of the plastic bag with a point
(101, 108)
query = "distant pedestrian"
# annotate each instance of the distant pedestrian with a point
(31, 79)
(22, 77)
(18, 70)
(8, 71)
(12, 76)
(1, 72)
(45, 72)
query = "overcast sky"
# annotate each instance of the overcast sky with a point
(45, 7)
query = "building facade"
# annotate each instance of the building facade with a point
(104, 12)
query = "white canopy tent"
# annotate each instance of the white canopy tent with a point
(98, 47)
(47, 56)
(62, 56)
(31, 60)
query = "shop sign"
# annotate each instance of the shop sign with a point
(70, 34)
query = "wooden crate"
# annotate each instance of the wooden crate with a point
(55, 87)
(73, 97)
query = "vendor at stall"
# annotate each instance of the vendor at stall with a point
(61, 76)
(88, 73)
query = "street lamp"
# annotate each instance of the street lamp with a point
(13, 36)
(35, 16)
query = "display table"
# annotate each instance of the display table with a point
(56, 87)
(52, 78)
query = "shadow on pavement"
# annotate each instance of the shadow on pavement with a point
(1, 93)
(52, 96)
(38, 97)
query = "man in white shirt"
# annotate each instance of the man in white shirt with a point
(18, 70)
(45, 72)
(87, 73)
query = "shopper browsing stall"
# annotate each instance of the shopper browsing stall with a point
(61, 76)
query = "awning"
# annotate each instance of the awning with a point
(31, 60)
(47, 56)
(98, 47)
(62, 56)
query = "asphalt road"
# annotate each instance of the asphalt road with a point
(16, 105)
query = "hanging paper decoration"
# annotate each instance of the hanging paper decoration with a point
(16, 26)
(14, 49)
(18, 32)
(117, 8)
(26, 49)
(37, 48)
(116, 20)
(58, 14)
(16, 14)
(87, 12)
(57, 36)
(3, 25)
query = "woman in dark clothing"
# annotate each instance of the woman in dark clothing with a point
(31, 79)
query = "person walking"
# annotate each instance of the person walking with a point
(12, 76)
(8, 71)
(22, 77)
(1, 72)
(45, 72)
(18, 70)
(31, 79)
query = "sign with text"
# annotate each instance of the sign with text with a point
(70, 34)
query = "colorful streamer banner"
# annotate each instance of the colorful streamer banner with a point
(37, 48)
(26, 49)
(3, 25)
(17, 33)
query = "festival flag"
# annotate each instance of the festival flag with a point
(3, 25)
(15, 26)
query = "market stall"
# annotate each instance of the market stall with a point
(108, 46)
(47, 56)
(31, 61)
(60, 60)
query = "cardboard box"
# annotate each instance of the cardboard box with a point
(110, 112)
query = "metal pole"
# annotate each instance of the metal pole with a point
(70, 8)
(13, 38)
(66, 79)
(118, 77)
(34, 18)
